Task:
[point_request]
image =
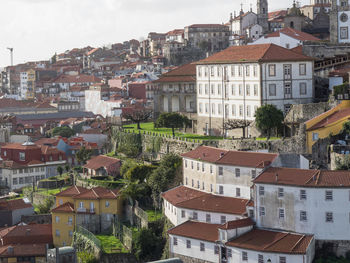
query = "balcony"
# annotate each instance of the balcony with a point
(81, 210)
(287, 96)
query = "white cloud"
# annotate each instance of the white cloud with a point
(39, 28)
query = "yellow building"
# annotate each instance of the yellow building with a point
(30, 95)
(328, 123)
(94, 209)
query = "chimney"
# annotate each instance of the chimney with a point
(222, 154)
(276, 177)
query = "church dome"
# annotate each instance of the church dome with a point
(294, 11)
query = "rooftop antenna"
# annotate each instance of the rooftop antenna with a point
(11, 51)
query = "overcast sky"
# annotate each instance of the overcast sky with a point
(36, 29)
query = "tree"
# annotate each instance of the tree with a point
(63, 132)
(60, 170)
(67, 168)
(127, 165)
(138, 115)
(53, 59)
(172, 120)
(83, 155)
(268, 117)
(147, 246)
(45, 207)
(139, 172)
(236, 124)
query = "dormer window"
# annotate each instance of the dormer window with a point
(22, 156)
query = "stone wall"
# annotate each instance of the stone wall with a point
(40, 198)
(338, 247)
(303, 112)
(37, 219)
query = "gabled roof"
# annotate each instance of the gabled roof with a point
(12, 205)
(237, 224)
(330, 119)
(82, 78)
(184, 197)
(236, 158)
(72, 191)
(206, 26)
(196, 230)
(23, 250)
(304, 178)
(27, 234)
(77, 192)
(272, 242)
(65, 208)
(254, 53)
(101, 161)
(293, 33)
(185, 73)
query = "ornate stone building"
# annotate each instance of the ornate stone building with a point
(339, 21)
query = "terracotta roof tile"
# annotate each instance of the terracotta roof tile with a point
(237, 224)
(333, 118)
(72, 191)
(23, 250)
(181, 194)
(302, 36)
(254, 53)
(206, 26)
(12, 205)
(27, 234)
(196, 230)
(304, 178)
(97, 193)
(224, 157)
(101, 161)
(82, 78)
(273, 242)
(65, 208)
(185, 73)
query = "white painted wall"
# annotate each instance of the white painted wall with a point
(315, 206)
(95, 104)
(282, 40)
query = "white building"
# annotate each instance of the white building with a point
(238, 242)
(304, 201)
(234, 83)
(339, 21)
(182, 204)
(287, 38)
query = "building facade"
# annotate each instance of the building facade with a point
(339, 21)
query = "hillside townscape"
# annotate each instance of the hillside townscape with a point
(223, 143)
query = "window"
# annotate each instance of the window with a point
(255, 70)
(260, 258)
(14, 181)
(244, 256)
(203, 188)
(219, 89)
(185, 163)
(233, 90)
(197, 166)
(198, 184)
(280, 192)
(216, 250)
(240, 89)
(81, 205)
(200, 106)
(199, 71)
(22, 156)
(314, 136)
(70, 233)
(202, 246)
(248, 111)
(253, 172)
(261, 190)
(302, 69)
(213, 108)
(107, 204)
(281, 213)
(262, 211)
(302, 87)
(195, 216)
(188, 243)
(219, 108)
(329, 195)
(199, 88)
(57, 233)
(183, 213)
(221, 190)
(192, 165)
(186, 181)
(208, 218)
(229, 253)
(211, 188)
(247, 71)
(21, 180)
(203, 168)
(60, 201)
(303, 216)
(175, 241)
(233, 110)
(247, 87)
(329, 217)
(255, 90)
(206, 89)
(206, 107)
(272, 89)
(221, 170)
(233, 71)
(238, 192)
(283, 260)
(212, 86)
(211, 169)
(272, 70)
(240, 110)
(344, 32)
(240, 71)
(238, 172)
(70, 220)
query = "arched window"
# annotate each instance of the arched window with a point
(292, 24)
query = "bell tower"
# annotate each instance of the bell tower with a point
(262, 13)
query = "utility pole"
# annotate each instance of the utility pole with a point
(11, 51)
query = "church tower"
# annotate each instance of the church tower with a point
(262, 13)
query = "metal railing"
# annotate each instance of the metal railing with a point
(86, 233)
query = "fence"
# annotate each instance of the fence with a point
(86, 233)
(123, 233)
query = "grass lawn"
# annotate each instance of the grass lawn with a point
(52, 191)
(154, 215)
(111, 244)
(149, 126)
(265, 139)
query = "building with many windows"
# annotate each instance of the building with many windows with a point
(339, 21)
(234, 83)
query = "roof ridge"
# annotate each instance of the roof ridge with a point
(277, 240)
(95, 192)
(312, 177)
(297, 243)
(318, 176)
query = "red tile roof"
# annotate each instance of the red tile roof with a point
(12, 205)
(82, 78)
(302, 36)
(254, 53)
(188, 198)
(185, 73)
(65, 208)
(272, 242)
(237, 158)
(101, 161)
(304, 178)
(27, 250)
(98, 193)
(333, 118)
(206, 26)
(72, 191)
(237, 224)
(196, 230)
(27, 234)
(175, 32)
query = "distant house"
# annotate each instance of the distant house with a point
(102, 166)
(11, 211)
